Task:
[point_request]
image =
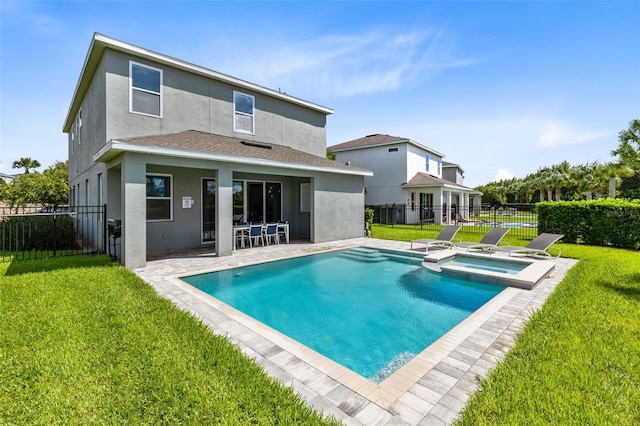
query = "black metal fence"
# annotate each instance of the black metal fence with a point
(37, 233)
(520, 218)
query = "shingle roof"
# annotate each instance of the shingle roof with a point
(193, 140)
(370, 140)
(425, 179)
(377, 140)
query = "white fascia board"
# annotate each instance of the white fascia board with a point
(118, 147)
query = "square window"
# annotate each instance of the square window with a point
(159, 198)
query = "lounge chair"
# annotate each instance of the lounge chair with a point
(539, 246)
(443, 239)
(489, 241)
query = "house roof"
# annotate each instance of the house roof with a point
(448, 164)
(101, 42)
(424, 179)
(378, 140)
(209, 146)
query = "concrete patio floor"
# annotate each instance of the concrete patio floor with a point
(431, 389)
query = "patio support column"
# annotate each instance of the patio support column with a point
(465, 205)
(224, 211)
(134, 211)
(448, 209)
(438, 207)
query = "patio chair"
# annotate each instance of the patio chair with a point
(271, 233)
(489, 241)
(538, 247)
(255, 234)
(443, 239)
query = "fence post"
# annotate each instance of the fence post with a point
(105, 237)
(54, 233)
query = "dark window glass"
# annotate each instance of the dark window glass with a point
(145, 78)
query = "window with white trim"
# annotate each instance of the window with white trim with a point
(426, 157)
(145, 85)
(243, 113)
(159, 197)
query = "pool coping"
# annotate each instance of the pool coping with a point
(537, 269)
(434, 385)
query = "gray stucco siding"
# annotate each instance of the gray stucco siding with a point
(338, 207)
(185, 228)
(194, 102)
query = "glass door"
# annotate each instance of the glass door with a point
(255, 201)
(208, 211)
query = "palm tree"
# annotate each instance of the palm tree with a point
(614, 172)
(27, 163)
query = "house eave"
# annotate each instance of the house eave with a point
(389, 143)
(114, 148)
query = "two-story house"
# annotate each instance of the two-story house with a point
(178, 152)
(408, 173)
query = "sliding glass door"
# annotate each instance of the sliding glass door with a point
(255, 201)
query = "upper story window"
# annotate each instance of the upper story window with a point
(426, 160)
(393, 149)
(243, 116)
(146, 90)
(159, 197)
(439, 167)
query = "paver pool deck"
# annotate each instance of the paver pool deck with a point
(431, 389)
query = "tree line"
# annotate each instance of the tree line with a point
(576, 182)
(46, 189)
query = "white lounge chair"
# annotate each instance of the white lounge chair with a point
(443, 239)
(539, 246)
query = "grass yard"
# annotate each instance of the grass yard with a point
(85, 342)
(578, 360)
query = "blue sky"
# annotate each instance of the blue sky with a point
(501, 88)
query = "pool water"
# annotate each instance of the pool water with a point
(369, 310)
(484, 264)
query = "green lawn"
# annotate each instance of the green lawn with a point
(578, 360)
(85, 342)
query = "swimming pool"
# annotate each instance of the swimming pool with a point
(370, 310)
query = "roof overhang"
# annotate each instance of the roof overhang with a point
(114, 148)
(101, 42)
(393, 142)
(452, 187)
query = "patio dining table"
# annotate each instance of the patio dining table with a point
(238, 230)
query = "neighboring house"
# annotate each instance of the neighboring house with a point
(8, 178)
(408, 173)
(178, 152)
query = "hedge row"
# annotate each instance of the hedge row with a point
(605, 222)
(23, 233)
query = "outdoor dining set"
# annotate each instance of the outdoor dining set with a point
(259, 233)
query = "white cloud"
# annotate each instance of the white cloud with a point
(343, 65)
(559, 133)
(503, 174)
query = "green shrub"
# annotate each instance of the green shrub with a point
(34, 232)
(368, 216)
(606, 222)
